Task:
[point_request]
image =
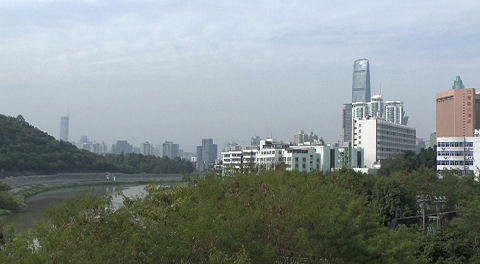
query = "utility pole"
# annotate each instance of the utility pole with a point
(422, 200)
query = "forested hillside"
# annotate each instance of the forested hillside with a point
(25, 148)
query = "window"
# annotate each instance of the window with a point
(304, 159)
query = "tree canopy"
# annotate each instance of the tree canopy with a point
(264, 217)
(409, 161)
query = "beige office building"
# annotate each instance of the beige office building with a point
(455, 112)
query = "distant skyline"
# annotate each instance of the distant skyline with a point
(227, 70)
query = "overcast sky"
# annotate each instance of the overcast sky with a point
(185, 70)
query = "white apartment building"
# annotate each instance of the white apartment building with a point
(323, 153)
(360, 110)
(305, 157)
(394, 112)
(390, 111)
(376, 106)
(459, 153)
(238, 158)
(271, 155)
(381, 139)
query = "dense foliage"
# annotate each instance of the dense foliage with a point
(409, 161)
(264, 217)
(26, 148)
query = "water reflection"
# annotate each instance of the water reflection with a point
(38, 204)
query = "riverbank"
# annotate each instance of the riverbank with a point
(23, 187)
(37, 205)
(22, 181)
(21, 194)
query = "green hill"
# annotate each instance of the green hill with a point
(24, 148)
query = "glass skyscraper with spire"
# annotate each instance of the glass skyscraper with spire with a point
(360, 93)
(361, 81)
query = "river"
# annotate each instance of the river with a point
(37, 204)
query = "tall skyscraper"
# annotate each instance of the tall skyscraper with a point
(206, 154)
(347, 123)
(455, 111)
(122, 147)
(209, 150)
(360, 93)
(171, 150)
(64, 123)
(147, 149)
(361, 81)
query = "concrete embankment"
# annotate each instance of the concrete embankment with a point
(23, 181)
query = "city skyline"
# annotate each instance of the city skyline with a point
(156, 71)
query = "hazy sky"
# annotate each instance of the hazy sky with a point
(184, 70)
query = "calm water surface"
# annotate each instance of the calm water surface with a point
(38, 203)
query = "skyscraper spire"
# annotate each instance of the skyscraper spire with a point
(458, 84)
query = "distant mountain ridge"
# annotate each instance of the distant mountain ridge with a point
(26, 149)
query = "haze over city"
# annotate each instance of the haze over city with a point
(183, 71)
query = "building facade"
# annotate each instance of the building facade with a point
(457, 134)
(376, 106)
(359, 110)
(461, 154)
(344, 157)
(394, 113)
(346, 123)
(239, 159)
(381, 139)
(305, 157)
(455, 111)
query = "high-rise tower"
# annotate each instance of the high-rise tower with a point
(64, 120)
(455, 111)
(361, 81)
(347, 123)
